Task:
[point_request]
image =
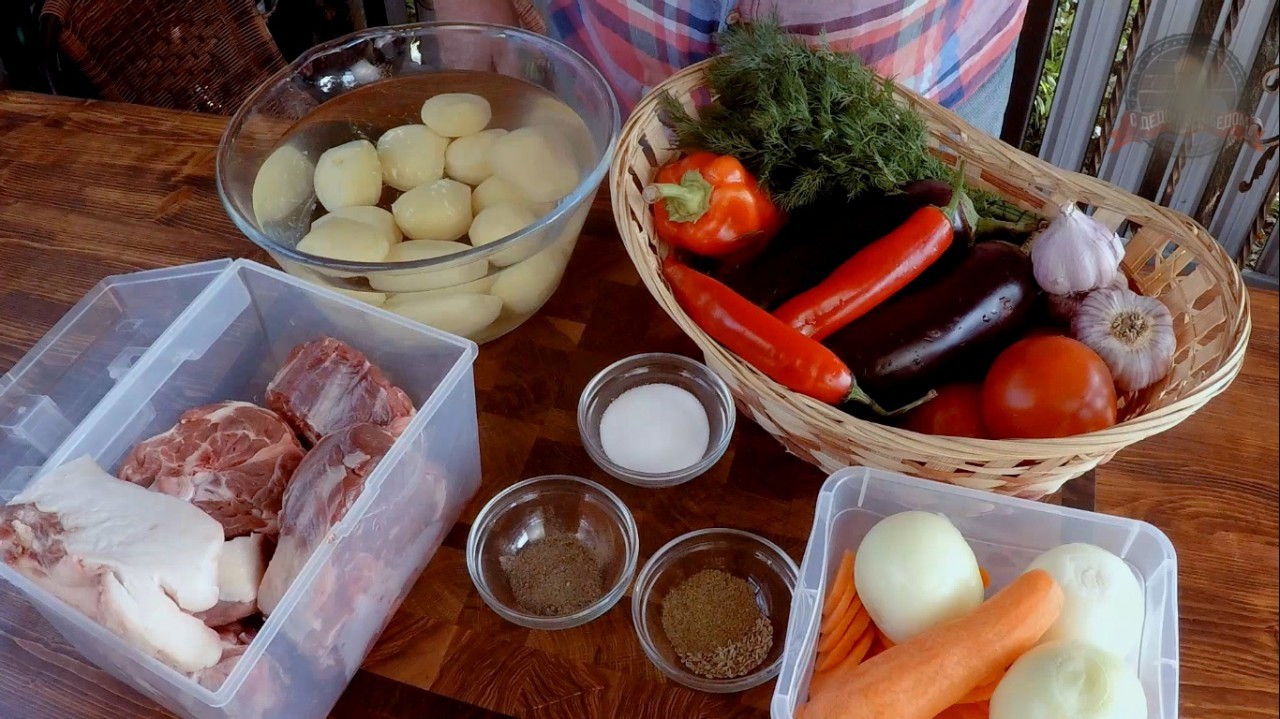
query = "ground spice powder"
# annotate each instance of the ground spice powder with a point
(715, 626)
(554, 576)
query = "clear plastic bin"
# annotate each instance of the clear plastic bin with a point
(1006, 534)
(139, 350)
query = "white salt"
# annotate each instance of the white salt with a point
(655, 428)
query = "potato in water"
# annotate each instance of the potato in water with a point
(499, 221)
(456, 114)
(345, 239)
(411, 155)
(467, 159)
(438, 211)
(525, 286)
(348, 175)
(376, 217)
(459, 313)
(496, 191)
(282, 185)
(536, 160)
(422, 280)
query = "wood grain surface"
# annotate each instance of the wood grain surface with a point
(93, 189)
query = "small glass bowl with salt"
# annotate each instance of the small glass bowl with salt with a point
(656, 420)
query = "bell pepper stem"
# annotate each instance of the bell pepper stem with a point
(857, 395)
(687, 200)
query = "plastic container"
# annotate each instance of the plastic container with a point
(1006, 534)
(139, 350)
(394, 62)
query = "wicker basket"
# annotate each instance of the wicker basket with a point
(1168, 256)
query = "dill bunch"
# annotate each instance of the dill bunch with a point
(808, 122)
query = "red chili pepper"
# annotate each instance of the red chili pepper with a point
(782, 354)
(711, 205)
(874, 274)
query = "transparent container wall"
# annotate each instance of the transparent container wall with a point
(1006, 535)
(64, 376)
(227, 345)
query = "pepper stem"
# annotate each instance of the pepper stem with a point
(857, 395)
(686, 201)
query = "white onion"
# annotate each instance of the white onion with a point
(1103, 602)
(915, 571)
(1069, 680)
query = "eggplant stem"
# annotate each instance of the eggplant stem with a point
(857, 395)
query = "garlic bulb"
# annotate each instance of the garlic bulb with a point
(1133, 334)
(1062, 308)
(1075, 253)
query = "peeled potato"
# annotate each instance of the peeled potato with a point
(342, 238)
(537, 161)
(422, 280)
(282, 184)
(499, 221)
(460, 313)
(438, 211)
(456, 114)
(411, 155)
(349, 175)
(551, 112)
(495, 191)
(377, 299)
(525, 286)
(467, 159)
(376, 217)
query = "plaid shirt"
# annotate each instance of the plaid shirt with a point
(944, 49)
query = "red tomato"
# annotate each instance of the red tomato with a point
(1048, 387)
(955, 412)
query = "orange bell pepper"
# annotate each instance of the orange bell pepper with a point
(711, 205)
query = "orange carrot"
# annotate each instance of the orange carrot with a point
(925, 675)
(982, 692)
(826, 640)
(855, 656)
(986, 578)
(885, 640)
(981, 710)
(851, 637)
(844, 576)
(850, 603)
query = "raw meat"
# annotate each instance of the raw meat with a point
(327, 385)
(231, 459)
(328, 481)
(129, 559)
(235, 638)
(240, 570)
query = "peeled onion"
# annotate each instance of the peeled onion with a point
(1103, 601)
(437, 211)
(411, 155)
(1069, 680)
(282, 184)
(915, 571)
(456, 114)
(349, 174)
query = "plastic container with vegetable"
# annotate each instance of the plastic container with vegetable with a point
(1008, 536)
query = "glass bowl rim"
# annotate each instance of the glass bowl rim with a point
(658, 480)
(570, 202)
(641, 596)
(483, 523)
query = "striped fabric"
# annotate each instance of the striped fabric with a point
(945, 49)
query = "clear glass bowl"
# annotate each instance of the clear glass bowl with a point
(657, 367)
(769, 571)
(358, 86)
(533, 509)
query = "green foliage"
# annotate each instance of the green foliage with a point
(808, 122)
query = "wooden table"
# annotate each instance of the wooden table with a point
(94, 189)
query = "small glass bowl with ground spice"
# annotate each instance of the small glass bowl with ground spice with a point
(553, 552)
(711, 608)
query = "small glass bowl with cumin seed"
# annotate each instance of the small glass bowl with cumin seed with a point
(769, 571)
(555, 509)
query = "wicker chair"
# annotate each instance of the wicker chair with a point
(202, 55)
